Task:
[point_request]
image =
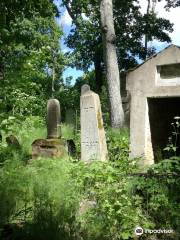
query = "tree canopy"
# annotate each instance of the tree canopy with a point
(30, 52)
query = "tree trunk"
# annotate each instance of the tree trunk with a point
(112, 70)
(98, 72)
(146, 35)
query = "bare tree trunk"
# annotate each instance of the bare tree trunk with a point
(112, 70)
(146, 35)
(98, 72)
(150, 8)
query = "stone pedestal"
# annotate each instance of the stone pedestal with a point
(51, 148)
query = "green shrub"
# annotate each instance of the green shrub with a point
(26, 131)
(159, 191)
(67, 131)
(41, 195)
(69, 199)
(116, 211)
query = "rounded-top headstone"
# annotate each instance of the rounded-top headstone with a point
(53, 118)
(85, 88)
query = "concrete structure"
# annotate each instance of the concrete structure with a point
(154, 88)
(93, 140)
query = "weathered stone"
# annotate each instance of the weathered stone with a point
(93, 140)
(12, 141)
(85, 88)
(51, 148)
(53, 119)
(155, 99)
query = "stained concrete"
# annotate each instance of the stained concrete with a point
(154, 88)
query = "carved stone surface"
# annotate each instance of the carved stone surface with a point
(93, 140)
(85, 88)
(53, 118)
(48, 148)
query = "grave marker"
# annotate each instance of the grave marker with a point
(93, 140)
(53, 146)
(53, 118)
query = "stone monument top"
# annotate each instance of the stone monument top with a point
(85, 88)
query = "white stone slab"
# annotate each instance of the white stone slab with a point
(93, 140)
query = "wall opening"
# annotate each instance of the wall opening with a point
(169, 71)
(161, 114)
(168, 75)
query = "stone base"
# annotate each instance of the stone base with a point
(49, 148)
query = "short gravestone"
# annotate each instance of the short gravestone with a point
(53, 146)
(93, 140)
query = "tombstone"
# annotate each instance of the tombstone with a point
(154, 87)
(53, 146)
(53, 119)
(93, 140)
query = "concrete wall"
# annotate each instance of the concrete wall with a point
(143, 83)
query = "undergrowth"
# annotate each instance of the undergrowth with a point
(68, 199)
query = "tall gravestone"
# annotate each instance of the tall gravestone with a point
(93, 140)
(53, 118)
(53, 146)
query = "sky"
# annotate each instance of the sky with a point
(65, 22)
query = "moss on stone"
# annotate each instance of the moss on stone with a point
(99, 118)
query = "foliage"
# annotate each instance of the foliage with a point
(159, 190)
(172, 146)
(31, 60)
(86, 41)
(172, 3)
(66, 198)
(41, 196)
(115, 211)
(26, 131)
(67, 131)
(69, 199)
(118, 144)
